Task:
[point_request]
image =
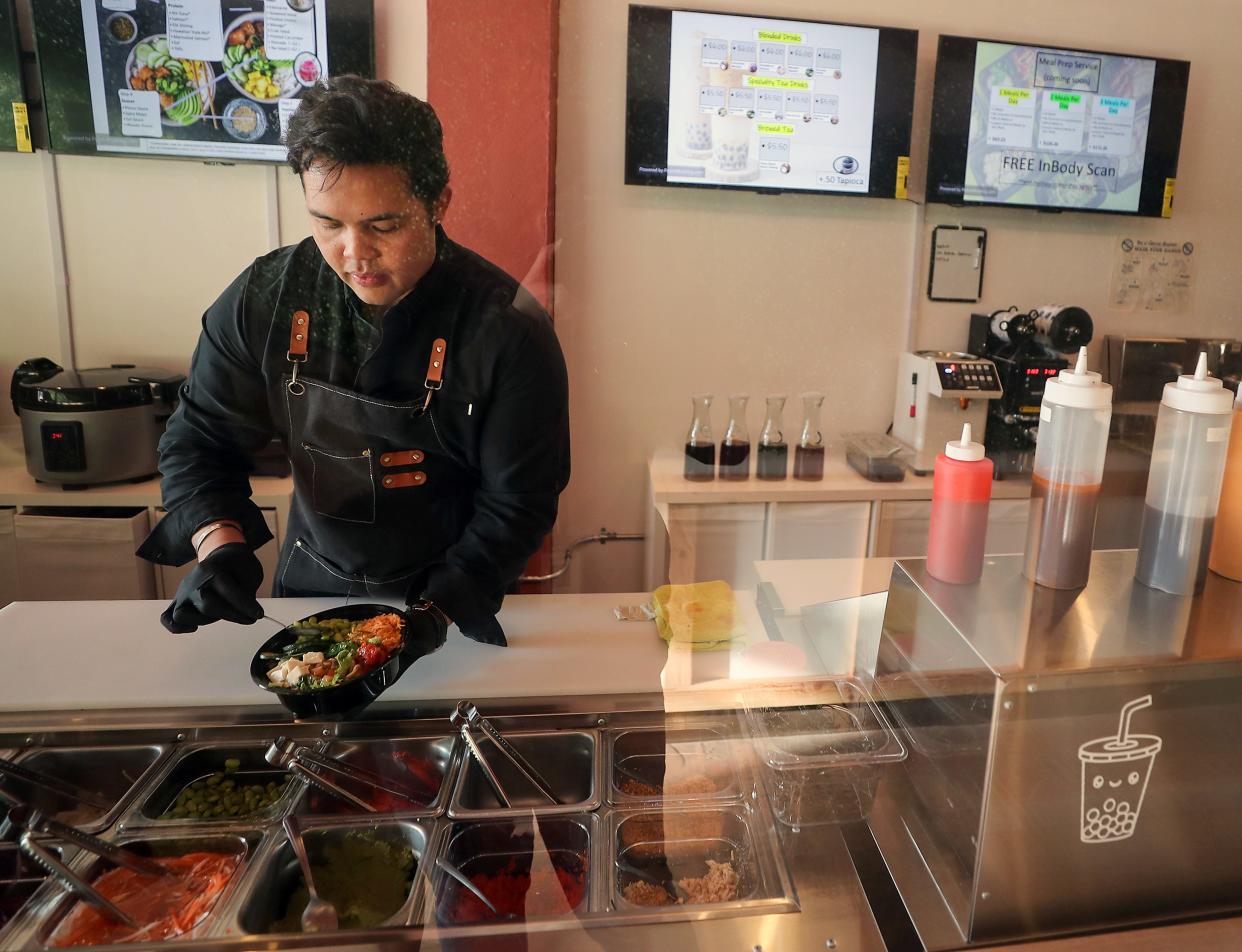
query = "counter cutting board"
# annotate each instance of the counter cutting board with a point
(92, 655)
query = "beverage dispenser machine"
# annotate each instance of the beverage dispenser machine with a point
(938, 392)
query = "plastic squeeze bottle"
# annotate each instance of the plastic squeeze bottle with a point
(961, 491)
(1183, 486)
(1069, 467)
(1226, 558)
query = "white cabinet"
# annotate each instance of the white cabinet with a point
(818, 530)
(1007, 519)
(76, 554)
(716, 541)
(902, 527)
(8, 556)
(723, 540)
(170, 576)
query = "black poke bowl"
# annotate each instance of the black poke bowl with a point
(352, 696)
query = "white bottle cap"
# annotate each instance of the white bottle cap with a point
(1080, 388)
(964, 449)
(1199, 392)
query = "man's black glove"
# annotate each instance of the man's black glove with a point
(487, 632)
(428, 628)
(221, 587)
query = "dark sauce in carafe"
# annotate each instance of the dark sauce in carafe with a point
(735, 460)
(700, 462)
(809, 462)
(772, 462)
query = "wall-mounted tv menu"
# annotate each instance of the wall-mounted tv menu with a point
(767, 103)
(205, 79)
(1053, 128)
(10, 78)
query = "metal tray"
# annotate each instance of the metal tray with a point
(194, 762)
(676, 844)
(45, 915)
(381, 756)
(115, 772)
(568, 761)
(272, 879)
(674, 761)
(490, 847)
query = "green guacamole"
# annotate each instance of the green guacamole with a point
(365, 876)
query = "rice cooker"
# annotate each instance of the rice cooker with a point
(101, 425)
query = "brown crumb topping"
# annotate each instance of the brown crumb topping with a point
(642, 893)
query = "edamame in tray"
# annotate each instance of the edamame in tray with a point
(328, 652)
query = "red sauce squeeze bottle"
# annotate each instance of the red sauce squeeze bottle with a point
(961, 491)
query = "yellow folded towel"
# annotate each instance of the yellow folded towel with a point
(702, 615)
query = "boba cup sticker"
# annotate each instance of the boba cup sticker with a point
(1115, 771)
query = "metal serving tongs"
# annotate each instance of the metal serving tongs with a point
(61, 788)
(22, 822)
(305, 763)
(466, 717)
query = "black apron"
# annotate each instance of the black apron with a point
(378, 497)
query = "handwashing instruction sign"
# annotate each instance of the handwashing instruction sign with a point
(1115, 771)
(1150, 274)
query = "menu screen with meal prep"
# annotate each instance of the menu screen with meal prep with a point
(203, 79)
(208, 78)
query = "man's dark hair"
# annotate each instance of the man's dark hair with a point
(350, 120)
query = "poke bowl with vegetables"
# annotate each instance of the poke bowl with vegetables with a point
(186, 87)
(247, 66)
(335, 663)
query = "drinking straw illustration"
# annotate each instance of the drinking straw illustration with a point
(1123, 723)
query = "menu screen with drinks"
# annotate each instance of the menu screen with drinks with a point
(13, 121)
(764, 103)
(1017, 124)
(214, 79)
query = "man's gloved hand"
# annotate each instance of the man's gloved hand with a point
(486, 632)
(428, 625)
(221, 587)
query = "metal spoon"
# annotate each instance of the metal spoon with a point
(319, 914)
(461, 877)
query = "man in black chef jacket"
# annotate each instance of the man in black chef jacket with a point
(420, 393)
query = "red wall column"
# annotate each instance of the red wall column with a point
(491, 77)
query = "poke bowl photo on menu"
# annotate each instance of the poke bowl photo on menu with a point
(211, 80)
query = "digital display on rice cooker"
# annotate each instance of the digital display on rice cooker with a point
(64, 447)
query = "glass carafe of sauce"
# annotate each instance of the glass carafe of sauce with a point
(700, 464)
(809, 455)
(1065, 485)
(772, 459)
(735, 447)
(1183, 485)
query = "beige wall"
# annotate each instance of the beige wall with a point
(663, 292)
(148, 244)
(654, 300)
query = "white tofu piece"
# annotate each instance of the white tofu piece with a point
(313, 657)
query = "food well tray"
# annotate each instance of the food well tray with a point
(568, 760)
(195, 763)
(116, 773)
(265, 895)
(691, 764)
(426, 763)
